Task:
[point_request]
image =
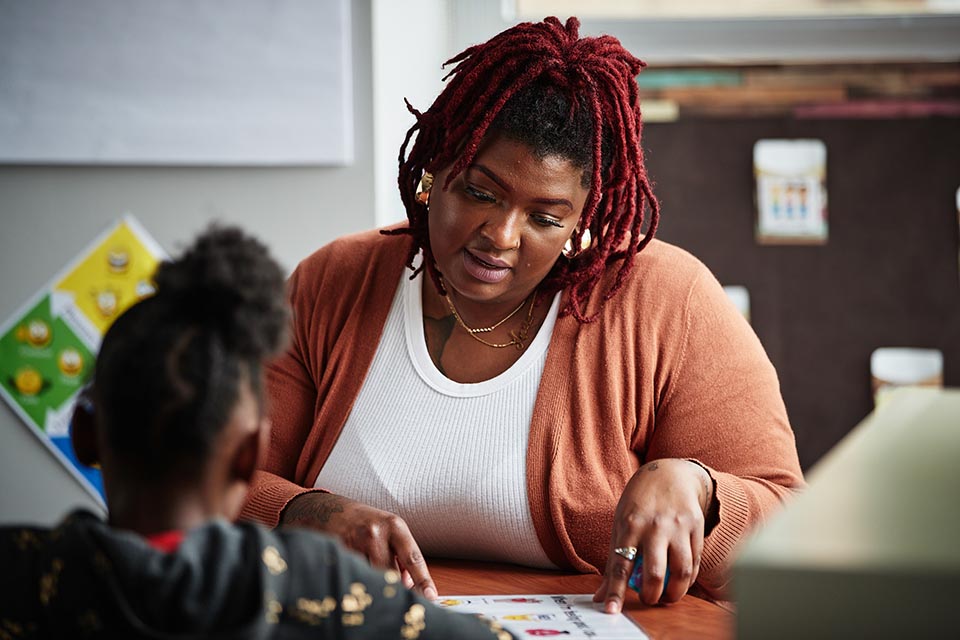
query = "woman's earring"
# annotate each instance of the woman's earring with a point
(423, 189)
(585, 241)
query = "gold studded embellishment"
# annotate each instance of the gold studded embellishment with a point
(26, 539)
(273, 610)
(48, 582)
(10, 629)
(414, 622)
(313, 612)
(89, 622)
(352, 619)
(354, 603)
(391, 577)
(274, 561)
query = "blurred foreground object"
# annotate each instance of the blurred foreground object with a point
(871, 548)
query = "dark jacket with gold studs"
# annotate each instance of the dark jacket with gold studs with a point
(85, 579)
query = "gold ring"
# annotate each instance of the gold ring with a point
(626, 552)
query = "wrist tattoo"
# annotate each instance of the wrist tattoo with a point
(706, 482)
(310, 511)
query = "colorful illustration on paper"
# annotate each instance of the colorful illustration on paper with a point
(547, 615)
(48, 348)
(791, 191)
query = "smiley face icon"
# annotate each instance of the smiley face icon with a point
(28, 381)
(107, 302)
(35, 333)
(70, 362)
(118, 260)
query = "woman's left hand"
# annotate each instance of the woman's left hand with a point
(661, 512)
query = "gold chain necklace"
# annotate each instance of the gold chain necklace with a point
(471, 330)
(517, 338)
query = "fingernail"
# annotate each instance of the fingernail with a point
(430, 593)
(613, 607)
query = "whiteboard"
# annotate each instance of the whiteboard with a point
(176, 82)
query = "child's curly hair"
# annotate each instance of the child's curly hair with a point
(169, 370)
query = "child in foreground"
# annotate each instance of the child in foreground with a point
(176, 421)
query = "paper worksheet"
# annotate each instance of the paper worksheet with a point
(547, 616)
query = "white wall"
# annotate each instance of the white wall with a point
(48, 214)
(410, 43)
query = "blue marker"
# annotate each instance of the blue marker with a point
(636, 576)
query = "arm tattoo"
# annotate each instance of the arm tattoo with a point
(437, 332)
(311, 511)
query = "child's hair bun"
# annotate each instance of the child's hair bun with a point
(227, 283)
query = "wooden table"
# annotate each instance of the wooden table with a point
(690, 618)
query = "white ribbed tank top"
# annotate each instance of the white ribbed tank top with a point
(447, 457)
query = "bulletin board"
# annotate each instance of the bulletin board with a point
(177, 82)
(887, 276)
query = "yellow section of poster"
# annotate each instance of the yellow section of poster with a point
(115, 274)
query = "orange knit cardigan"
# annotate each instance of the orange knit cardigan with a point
(670, 370)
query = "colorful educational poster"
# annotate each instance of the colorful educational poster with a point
(47, 348)
(791, 193)
(547, 616)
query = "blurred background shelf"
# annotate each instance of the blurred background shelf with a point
(848, 90)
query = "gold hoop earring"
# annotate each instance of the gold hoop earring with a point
(585, 241)
(423, 189)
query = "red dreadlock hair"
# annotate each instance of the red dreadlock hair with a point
(596, 76)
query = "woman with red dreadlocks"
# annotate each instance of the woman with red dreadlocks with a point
(557, 389)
